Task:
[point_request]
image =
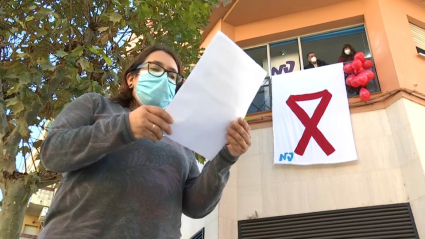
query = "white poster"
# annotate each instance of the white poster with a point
(311, 117)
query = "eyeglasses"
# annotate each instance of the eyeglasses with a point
(157, 70)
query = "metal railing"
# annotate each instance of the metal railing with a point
(26, 236)
(263, 100)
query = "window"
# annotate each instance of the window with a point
(418, 34)
(328, 46)
(259, 55)
(262, 101)
(291, 55)
(284, 57)
(30, 232)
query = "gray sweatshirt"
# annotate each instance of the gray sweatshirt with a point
(115, 186)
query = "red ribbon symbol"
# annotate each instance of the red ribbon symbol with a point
(310, 124)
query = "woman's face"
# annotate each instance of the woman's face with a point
(158, 57)
(347, 50)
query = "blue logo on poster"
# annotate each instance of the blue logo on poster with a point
(286, 156)
(284, 68)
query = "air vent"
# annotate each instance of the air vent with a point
(389, 221)
(199, 235)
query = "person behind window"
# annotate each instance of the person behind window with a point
(347, 53)
(313, 61)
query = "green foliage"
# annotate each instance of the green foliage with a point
(201, 159)
(54, 51)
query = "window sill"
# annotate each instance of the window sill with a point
(421, 55)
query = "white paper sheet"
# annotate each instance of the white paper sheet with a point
(220, 89)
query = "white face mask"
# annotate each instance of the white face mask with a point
(313, 59)
(347, 51)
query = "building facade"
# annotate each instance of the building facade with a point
(388, 176)
(40, 201)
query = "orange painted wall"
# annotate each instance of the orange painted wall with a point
(298, 21)
(380, 46)
(387, 26)
(410, 68)
(226, 28)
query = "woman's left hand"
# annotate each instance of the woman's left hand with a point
(238, 137)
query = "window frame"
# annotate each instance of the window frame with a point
(298, 37)
(268, 45)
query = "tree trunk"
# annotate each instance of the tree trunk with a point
(15, 201)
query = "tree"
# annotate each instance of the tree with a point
(52, 51)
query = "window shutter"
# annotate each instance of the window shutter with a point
(418, 35)
(387, 221)
(199, 235)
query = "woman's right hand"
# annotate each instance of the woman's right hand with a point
(149, 122)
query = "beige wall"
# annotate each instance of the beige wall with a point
(390, 170)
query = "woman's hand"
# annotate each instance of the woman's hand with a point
(238, 137)
(149, 122)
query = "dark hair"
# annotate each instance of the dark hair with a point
(125, 94)
(348, 57)
(309, 54)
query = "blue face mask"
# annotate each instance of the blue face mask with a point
(154, 90)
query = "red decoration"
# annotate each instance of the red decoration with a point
(369, 74)
(361, 80)
(357, 64)
(364, 94)
(348, 69)
(311, 130)
(367, 64)
(359, 56)
(357, 72)
(349, 80)
(354, 83)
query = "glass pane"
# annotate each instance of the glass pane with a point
(284, 57)
(259, 55)
(262, 101)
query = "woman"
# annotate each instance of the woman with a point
(122, 178)
(347, 53)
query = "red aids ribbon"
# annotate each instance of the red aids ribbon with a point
(311, 130)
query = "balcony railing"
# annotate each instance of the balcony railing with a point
(263, 100)
(27, 236)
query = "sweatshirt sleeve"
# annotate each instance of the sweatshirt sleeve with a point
(203, 191)
(77, 139)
